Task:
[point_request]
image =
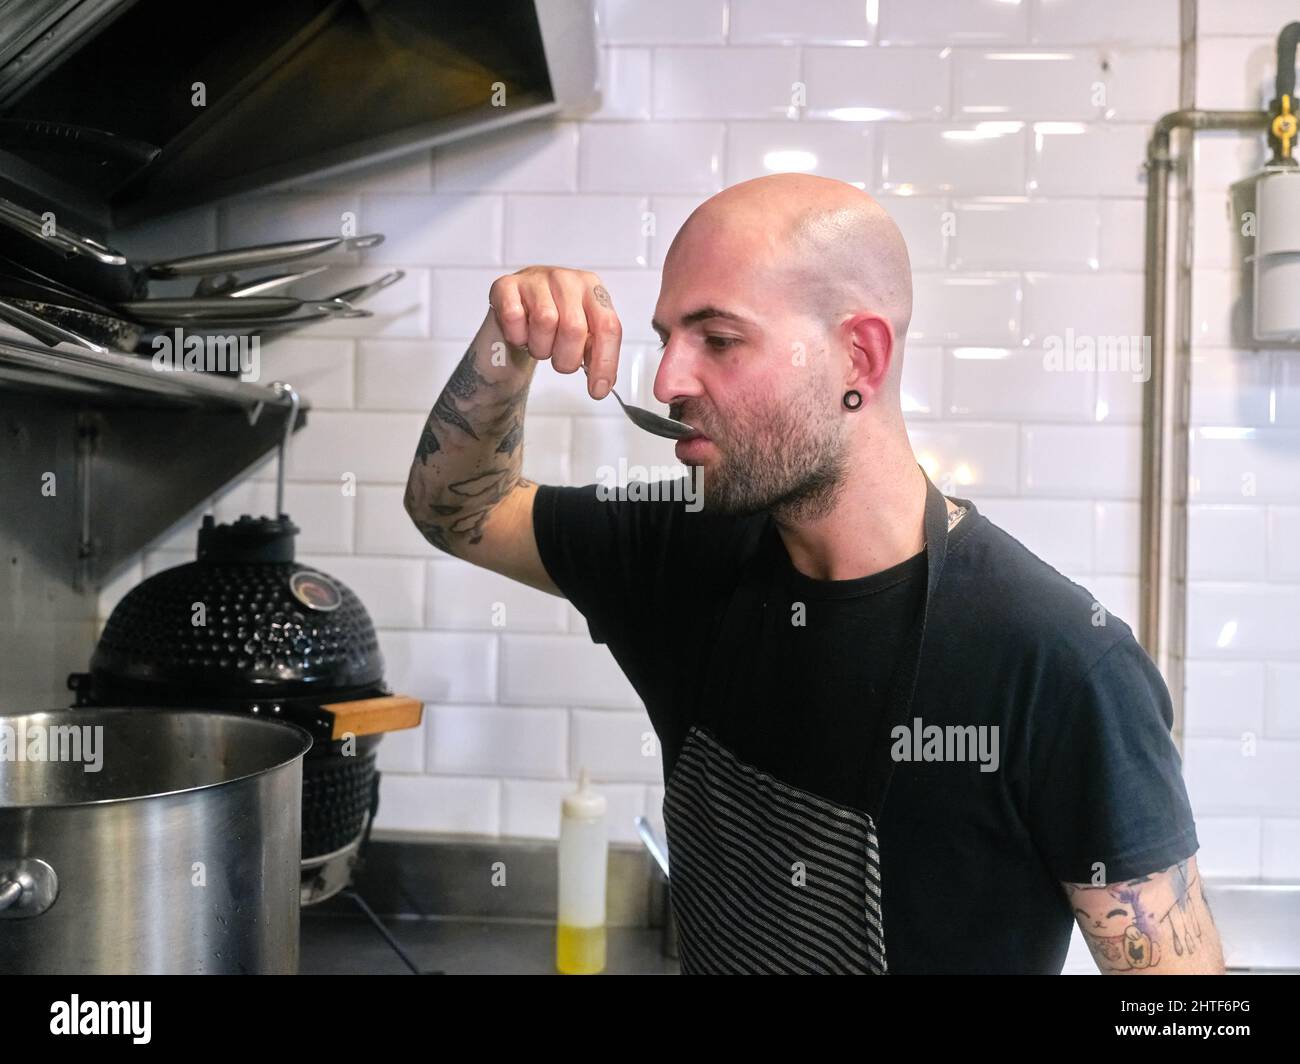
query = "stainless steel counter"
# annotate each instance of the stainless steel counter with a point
(339, 944)
(436, 896)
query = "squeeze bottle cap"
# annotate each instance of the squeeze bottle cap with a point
(584, 803)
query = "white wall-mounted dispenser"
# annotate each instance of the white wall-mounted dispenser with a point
(1276, 314)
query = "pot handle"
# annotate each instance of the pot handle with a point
(10, 892)
(28, 887)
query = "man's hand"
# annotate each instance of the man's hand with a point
(1157, 924)
(562, 314)
(465, 491)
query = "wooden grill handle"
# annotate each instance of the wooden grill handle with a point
(369, 716)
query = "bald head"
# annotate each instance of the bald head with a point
(780, 297)
(831, 248)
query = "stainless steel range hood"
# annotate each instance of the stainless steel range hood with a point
(117, 110)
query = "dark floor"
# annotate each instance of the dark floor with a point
(338, 943)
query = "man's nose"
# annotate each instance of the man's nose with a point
(675, 379)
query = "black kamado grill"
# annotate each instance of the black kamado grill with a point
(248, 629)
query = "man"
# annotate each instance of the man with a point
(894, 740)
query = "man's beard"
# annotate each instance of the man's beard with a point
(790, 461)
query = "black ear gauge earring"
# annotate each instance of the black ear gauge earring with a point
(852, 399)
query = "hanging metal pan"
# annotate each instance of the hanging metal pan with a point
(228, 284)
(214, 308)
(104, 273)
(217, 262)
(314, 312)
(83, 318)
(58, 236)
(47, 332)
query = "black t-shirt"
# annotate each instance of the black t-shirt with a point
(775, 861)
(829, 651)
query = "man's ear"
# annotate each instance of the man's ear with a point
(872, 339)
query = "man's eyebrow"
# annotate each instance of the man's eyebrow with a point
(704, 314)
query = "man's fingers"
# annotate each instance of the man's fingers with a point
(606, 337)
(562, 314)
(507, 304)
(571, 331)
(543, 317)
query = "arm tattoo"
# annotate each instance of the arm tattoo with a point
(428, 443)
(465, 381)
(479, 484)
(511, 439)
(432, 531)
(468, 457)
(445, 410)
(1137, 923)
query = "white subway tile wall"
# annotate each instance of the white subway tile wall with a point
(1242, 745)
(1007, 139)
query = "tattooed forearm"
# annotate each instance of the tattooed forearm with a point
(444, 410)
(511, 439)
(433, 532)
(484, 482)
(465, 382)
(470, 451)
(428, 443)
(1154, 923)
(465, 379)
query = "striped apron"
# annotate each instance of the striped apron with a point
(770, 878)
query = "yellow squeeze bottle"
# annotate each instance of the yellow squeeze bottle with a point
(583, 857)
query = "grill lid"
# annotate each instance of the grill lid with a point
(244, 619)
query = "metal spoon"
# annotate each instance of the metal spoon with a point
(661, 426)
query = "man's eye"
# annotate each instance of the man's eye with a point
(718, 343)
